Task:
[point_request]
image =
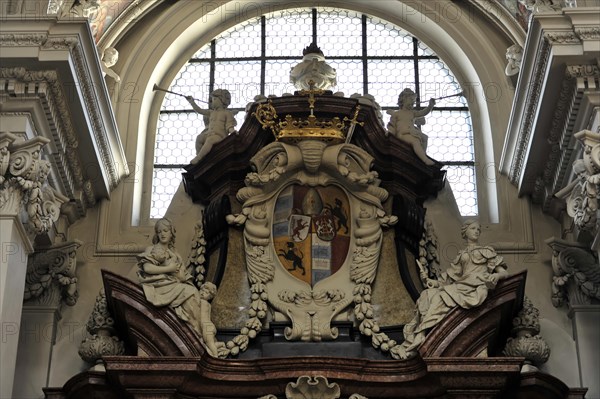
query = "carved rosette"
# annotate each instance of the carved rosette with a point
(102, 341)
(51, 275)
(527, 343)
(310, 309)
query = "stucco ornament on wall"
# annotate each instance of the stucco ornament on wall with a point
(313, 68)
(317, 387)
(583, 194)
(313, 217)
(23, 183)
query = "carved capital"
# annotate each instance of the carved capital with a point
(51, 275)
(100, 326)
(526, 342)
(576, 274)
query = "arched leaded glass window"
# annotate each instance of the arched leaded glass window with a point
(371, 56)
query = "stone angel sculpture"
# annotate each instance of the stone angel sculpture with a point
(166, 281)
(474, 272)
(406, 121)
(219, 122)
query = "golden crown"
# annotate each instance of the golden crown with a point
(290, 129)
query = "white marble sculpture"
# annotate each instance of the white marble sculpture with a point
(168, 282)
(313, 68)
(514, 56)
(475, 270)
(219, 122)
(405, 122)
(109, 58)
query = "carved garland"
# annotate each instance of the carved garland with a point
(311, 163)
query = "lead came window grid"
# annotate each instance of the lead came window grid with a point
(371, 56)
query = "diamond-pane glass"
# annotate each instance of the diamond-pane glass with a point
(241, 78)
(166, 182)
(464, 188)
(193, 80)
(176, 137)
(438, 81)
(387, 78)
(349, 76)
(275, 42)
(288, 32)
(339, 33)
(450, 136)
(277, 76)
(241, 41)
(386, 40)
(203, 53)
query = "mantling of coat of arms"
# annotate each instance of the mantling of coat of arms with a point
(313, 217)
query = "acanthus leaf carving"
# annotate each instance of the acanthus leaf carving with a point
(51, 275)
(23, 185)
(582, 195)
(576, 274)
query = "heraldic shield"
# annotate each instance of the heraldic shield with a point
(311, 231)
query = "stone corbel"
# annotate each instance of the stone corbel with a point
(576, 273)
(51, 277)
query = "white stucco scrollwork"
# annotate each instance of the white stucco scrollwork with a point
(582, 196)
(23, 184)
(311, 307)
